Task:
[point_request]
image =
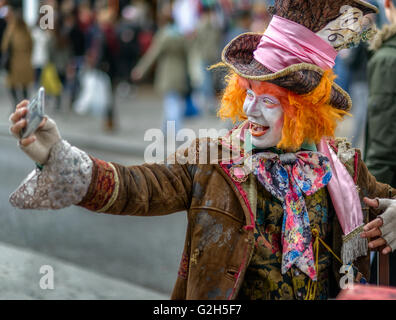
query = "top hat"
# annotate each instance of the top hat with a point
(300, 43)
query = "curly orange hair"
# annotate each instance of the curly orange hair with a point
(307, 118)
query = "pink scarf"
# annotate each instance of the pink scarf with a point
(346, 202)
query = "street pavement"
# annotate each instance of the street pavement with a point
(29, 275)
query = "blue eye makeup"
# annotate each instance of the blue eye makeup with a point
(269, 100)
(266, 99)
(250, 94)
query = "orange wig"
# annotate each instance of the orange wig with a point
(307, 118)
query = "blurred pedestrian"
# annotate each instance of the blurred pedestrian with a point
(208, 45)
(341, 70)
(60, 54)
(4, 10)
(102, 54)
(128, 33)
(168, 50)
(381, 130)
(186, 15)
(40, 54)
(77, 42)
(17, 44)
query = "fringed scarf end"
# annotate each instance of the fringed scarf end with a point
(354, 246)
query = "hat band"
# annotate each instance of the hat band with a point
(285, 43)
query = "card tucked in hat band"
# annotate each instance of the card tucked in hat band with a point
(285, 43)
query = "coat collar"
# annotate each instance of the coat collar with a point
(387, 34)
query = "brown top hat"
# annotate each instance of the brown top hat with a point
(334, 24)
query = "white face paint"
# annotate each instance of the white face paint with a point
(265, 115)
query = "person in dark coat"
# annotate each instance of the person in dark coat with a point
(381, 130)
(102, 55)
(128, 31)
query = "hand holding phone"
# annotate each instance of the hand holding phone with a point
(41, 131)
(35, 114)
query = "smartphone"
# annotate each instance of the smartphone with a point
(35, 114)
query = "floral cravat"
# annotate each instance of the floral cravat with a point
(288, 177)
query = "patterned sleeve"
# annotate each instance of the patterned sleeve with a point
(71, 177)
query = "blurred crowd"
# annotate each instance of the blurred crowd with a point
(97, 46)
(87, 36)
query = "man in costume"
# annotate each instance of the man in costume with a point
(275, 208)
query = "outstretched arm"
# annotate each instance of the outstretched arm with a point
(155, 189)
(71, 177)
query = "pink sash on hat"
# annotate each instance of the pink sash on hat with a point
(285, 43)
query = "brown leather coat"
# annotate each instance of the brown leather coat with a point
(218, 247)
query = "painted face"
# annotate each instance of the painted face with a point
(349, 26)
(265, 115)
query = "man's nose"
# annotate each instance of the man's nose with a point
(253, 109)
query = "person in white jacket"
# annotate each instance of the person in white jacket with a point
(40, 54)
